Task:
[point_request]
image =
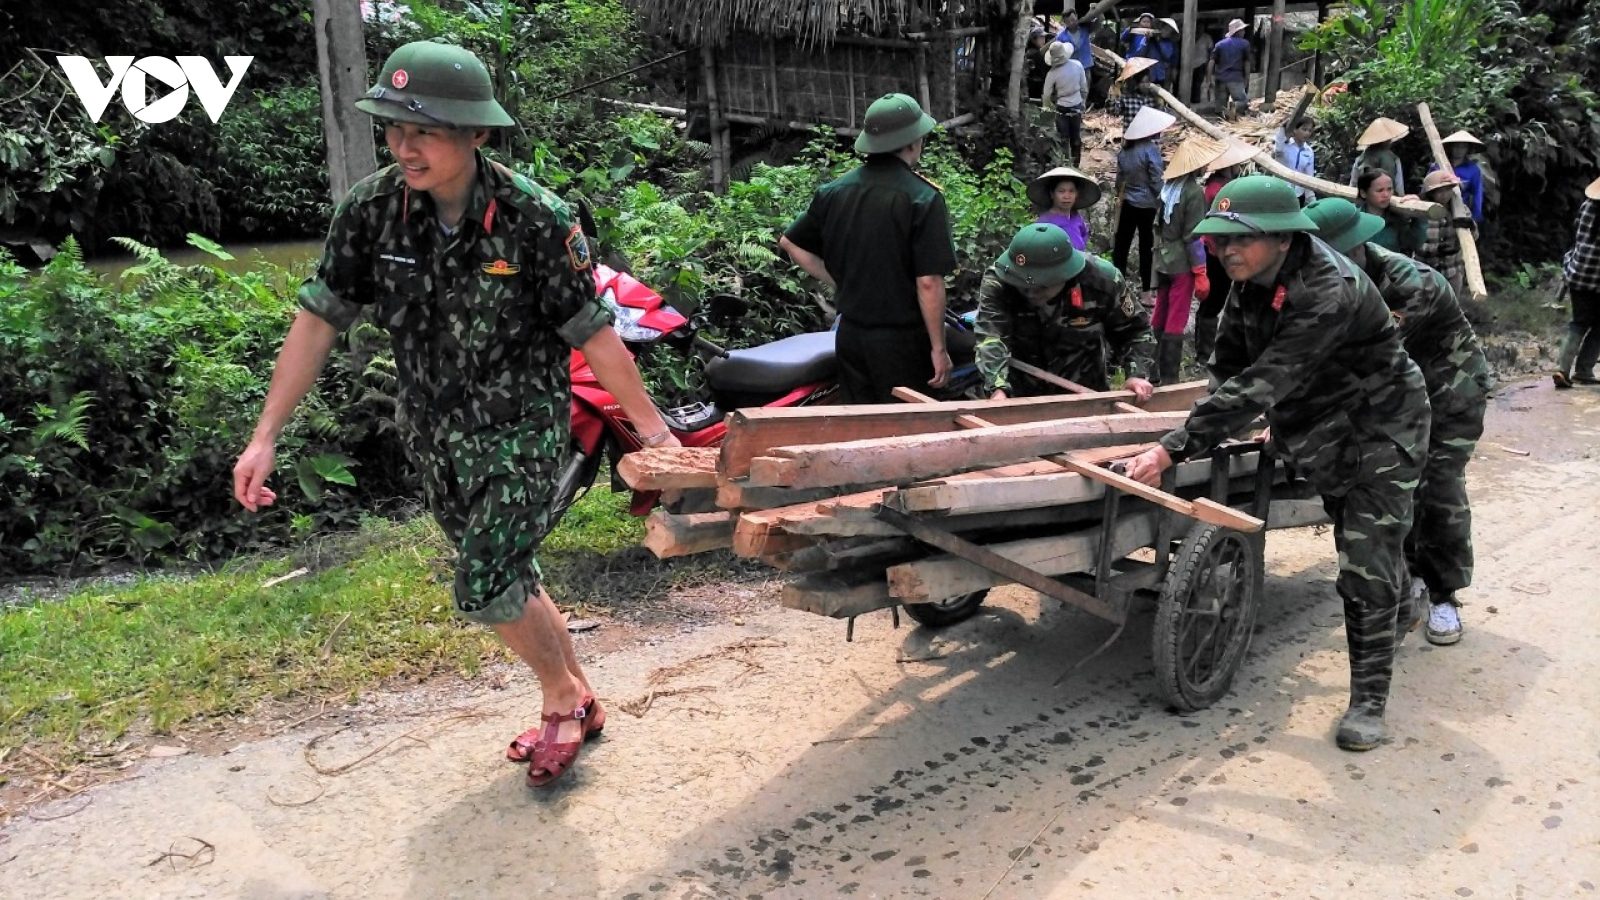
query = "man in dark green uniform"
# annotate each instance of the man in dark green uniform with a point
(880, 236)
(1048, 305)
(482, 280)
(1440, 341)
(1306, 339)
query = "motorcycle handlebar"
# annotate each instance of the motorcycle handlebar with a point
(700, 342)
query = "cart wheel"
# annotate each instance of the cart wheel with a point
(947, 612)
(1206, 614)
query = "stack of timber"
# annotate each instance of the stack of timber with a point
(804, 490)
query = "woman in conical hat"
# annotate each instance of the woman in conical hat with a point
(1057, 197)
(1376, 154)
(1457, 146)
(1139, 171)
(1180, 261)
(1442, 249)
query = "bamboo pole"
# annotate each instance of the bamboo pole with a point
(708, 69)
(1272, 166)
(1274, 72)
(1458, 209)
(924, 95)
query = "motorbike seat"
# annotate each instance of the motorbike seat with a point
(777, 367)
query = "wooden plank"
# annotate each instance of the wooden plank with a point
(921, 456)
(943, 577)
(668, 468)
(755, 432)
(667, 535)
(1204, 509)
(1071, 387)
(1458, 209)
(839, 595)
(1033, 491)
(737, 493)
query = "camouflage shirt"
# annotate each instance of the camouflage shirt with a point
(1318, 353)
(481, 318)
(1066, 336)
(1435, 332)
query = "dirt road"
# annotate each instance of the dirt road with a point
(778, 761)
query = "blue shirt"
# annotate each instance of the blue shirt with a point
(1082, 41)
(1471, 186)
(1299, 157)
(1232, 55)
(1139, 170)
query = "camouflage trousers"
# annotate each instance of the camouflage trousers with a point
(1439, 549)
(1370, 522)
(496, 520)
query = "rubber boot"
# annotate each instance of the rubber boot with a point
(1588, 355)
(1205, 338)
(1370, 634)
(1575, 338)
(1169, 358)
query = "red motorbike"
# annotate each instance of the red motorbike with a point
(794, 371)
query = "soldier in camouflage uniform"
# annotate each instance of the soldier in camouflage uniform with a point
(1306, 339)
(1046, 304)
(482, 280)
(1440, 341)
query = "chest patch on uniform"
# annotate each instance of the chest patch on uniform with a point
(500, 267)
(1079, 322)
(578, 249)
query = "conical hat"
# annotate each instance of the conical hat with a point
(1238, 152)
(1148, 123)
(1134, 67)
(1170, 23)
(1193, 155)
(1461, 137)
(1593, 190)
(1040, 189)
(1381, 130)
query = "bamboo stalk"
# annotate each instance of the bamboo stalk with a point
(1458, 208)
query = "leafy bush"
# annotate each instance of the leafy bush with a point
(269, 164)
(126, 406)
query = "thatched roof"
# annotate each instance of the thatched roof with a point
(807, 21)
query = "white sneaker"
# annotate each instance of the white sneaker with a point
(1444, 624)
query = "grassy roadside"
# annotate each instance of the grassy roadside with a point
(170, 649)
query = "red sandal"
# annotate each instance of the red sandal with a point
(594, 721)
(550, 760)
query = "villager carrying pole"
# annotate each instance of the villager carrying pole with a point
(1265, 160)
(1458, 209)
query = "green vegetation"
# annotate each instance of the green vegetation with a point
(171, 649)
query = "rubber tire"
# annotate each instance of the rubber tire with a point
(947, 612)
(576, 476)
(1192, 569)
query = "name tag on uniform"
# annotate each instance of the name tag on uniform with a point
(399, 259)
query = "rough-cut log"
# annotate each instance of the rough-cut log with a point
(1265, 161)
(754, 432)
(943, 577)
(1458, 209)
(922, 456)
(667, 535)
(839, 595)
(666, 468)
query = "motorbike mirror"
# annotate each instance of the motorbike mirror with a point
(725, 309)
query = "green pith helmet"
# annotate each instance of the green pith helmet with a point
(893, 121)
(1039, 255)
(1255, 204)
(1343, 225)
(428, 83)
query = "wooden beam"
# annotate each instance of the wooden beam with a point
(1458, 208)
(667, 535)
(755, 432)
(839, 595)
(943, 577)
(1204, 509)
(925, 455)
(1267, 162)
(669, 468)
(1191, 16)
(1071, 387)
(737, 493)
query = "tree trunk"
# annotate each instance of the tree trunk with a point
(342, 68)
(1191, 16)
(1019, 57)
(1274, 72)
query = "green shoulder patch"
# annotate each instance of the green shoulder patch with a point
(578, 249)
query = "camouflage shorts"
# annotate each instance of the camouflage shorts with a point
(495, 527)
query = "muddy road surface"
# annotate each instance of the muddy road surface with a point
(773, 760)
